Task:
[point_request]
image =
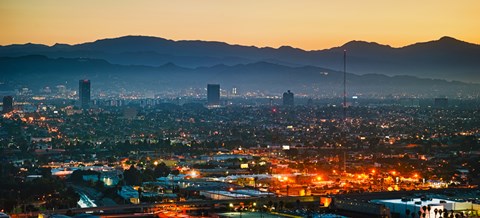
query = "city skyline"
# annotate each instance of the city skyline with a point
(311, 25)
(217, 108)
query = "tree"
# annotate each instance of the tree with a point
(161, 170)
(99, 185)
(175, 172)
(148, 175)
(270, 203)
(445, 213)
(140, 193)
(132, 176)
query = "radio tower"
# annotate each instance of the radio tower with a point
(345, 85)
(345, 105)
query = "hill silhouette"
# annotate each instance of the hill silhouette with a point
(445, 58)
(39, 71)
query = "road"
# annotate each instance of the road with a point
(191, 205)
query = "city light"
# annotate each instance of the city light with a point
(237, 152)
(193, 174)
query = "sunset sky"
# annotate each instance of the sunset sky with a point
(307, 24)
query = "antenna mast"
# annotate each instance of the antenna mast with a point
(345, 105)
(345, 85)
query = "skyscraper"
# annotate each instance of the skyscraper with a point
(213, 94)
(7, 104)
(441, 102)
(84, 93)
(288, 98)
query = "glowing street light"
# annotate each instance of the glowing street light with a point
(193, 173)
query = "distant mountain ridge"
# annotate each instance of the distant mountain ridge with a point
(37, 71)
(445, 58)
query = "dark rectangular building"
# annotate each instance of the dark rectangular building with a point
(84, 93)
(288, 98)
(7, 104)
(441, 103)
(213, 94)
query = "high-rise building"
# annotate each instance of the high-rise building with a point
(7, 104)
(84, 93)
(288, 98)
(213, 94)
(441, 102)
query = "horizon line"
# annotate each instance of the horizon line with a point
(235, 44)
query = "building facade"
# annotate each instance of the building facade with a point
(213, 94)
(288, 99)
(84, 93)
(7, 104)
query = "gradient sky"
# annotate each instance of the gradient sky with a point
(307, 24)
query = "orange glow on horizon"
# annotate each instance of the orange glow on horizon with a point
(309, 25)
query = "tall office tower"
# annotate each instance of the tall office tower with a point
(213, 94)
(84, 93)
(7, 104)
(288, 98)
(441, 102)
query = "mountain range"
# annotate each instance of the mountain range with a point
(157, 62)
(37, 71)
(445, 58)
